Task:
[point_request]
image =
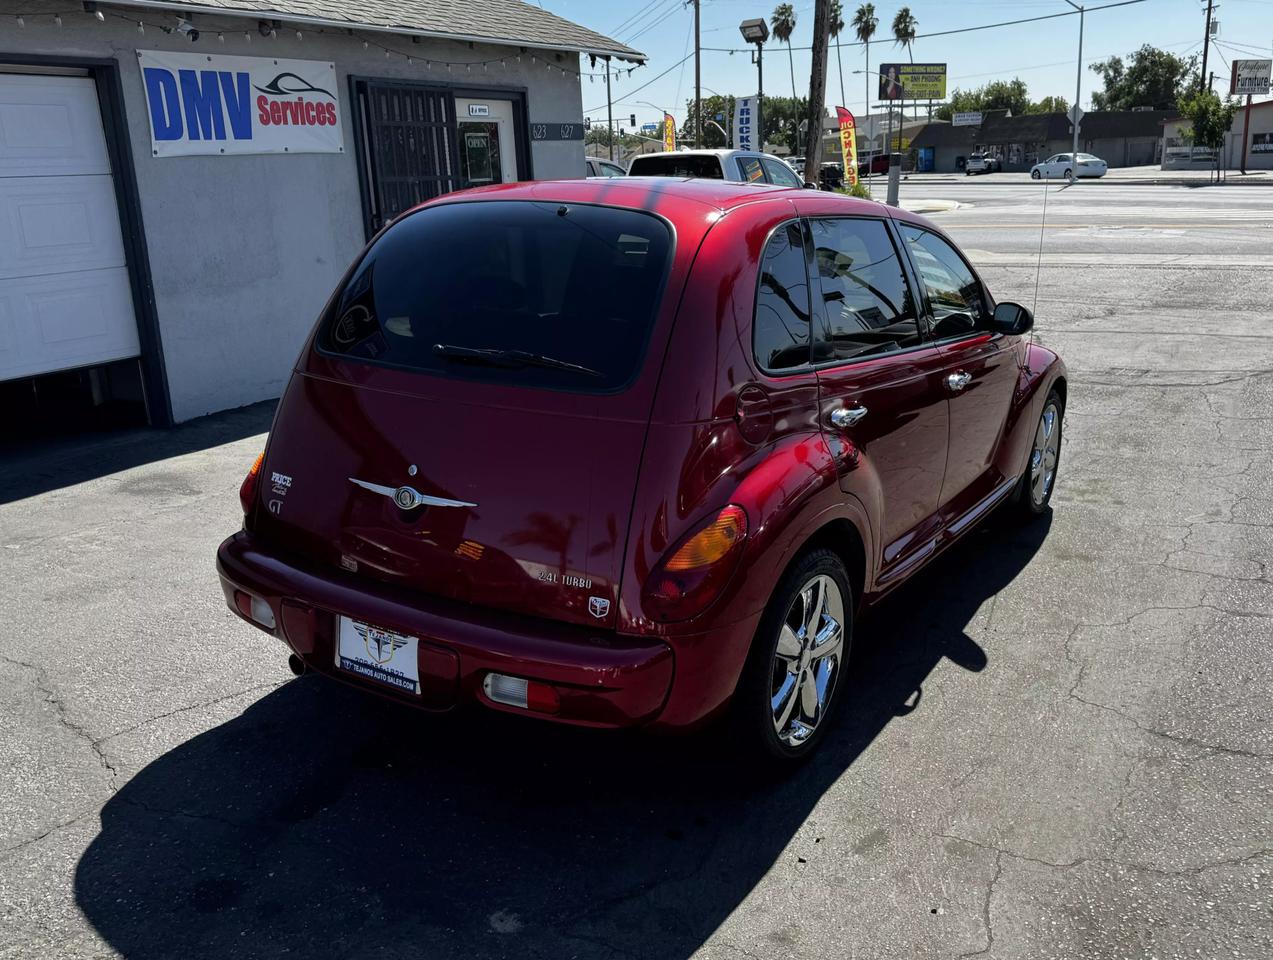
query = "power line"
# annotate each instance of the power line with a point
(947, 33)
(629, 93)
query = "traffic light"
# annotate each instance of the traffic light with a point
(632, 120)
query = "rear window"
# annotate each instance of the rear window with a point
(677, 165)
(551, 295)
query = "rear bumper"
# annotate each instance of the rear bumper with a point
(602, 679)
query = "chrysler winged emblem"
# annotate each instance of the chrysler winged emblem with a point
(408, 498)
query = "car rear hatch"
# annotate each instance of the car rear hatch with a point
(469, 418)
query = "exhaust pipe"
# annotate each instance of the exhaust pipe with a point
(296, 665)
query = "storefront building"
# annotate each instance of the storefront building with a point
(182, 184)
(1179, 152)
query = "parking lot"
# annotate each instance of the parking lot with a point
(1056, 742)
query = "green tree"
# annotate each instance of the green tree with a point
(1209, 119)
(780, 121)
(1148, 78)
(996, 95)
(1052, 104)
(864, 25)
(837, 25)
(713, 107)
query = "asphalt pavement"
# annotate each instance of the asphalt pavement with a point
(1055, 742)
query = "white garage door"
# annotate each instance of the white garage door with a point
(64, 295)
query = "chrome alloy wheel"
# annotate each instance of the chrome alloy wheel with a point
(1043, 457)
(806, 662)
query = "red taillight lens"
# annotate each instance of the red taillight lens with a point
(692, 576)
(247, 491)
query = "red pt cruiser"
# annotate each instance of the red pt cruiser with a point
(634, 451)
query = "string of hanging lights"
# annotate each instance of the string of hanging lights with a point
(270, 29)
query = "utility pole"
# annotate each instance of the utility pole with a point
(817, 89)
(698, 82)
(1078, 81)
(1206, 43)
(609, 109)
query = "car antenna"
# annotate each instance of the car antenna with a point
(1038, 268)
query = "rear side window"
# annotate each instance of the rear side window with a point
(750, 170)
(512, 292)
(677, 165)
(780, 332)
(870, 308)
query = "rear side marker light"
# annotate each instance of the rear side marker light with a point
(521, 693)
(254, 608)
(247, 491)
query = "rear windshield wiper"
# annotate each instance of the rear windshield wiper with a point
(509, 358)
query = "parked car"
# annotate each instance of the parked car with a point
(576, 451)
(831, 176)
(877, 163)
(1064, 165)
(795, 163)
(983, 163)
(742, 166)
(604, 168)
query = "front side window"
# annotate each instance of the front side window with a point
(780, 331)
(551, 295)
(869, 305)
(780, 173)
(954, 295)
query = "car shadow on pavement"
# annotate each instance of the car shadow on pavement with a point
(325, 823)
(29, 469)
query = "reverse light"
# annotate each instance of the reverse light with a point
(521, 693)
(254, 608)
(247, 490)
(693, 575)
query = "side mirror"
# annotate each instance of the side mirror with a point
(1012, 319)
(810, 186)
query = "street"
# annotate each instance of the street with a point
(1055, 742)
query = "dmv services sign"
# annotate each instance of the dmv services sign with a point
(202, 104)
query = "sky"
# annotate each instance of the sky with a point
(1043, 54)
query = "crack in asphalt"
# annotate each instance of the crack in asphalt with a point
(1108, 861)
(40, 685)
(987, 918)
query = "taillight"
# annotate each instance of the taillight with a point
(689, 578)
(247, 491)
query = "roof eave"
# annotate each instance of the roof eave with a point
(624, 53)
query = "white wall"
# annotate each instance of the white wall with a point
(244, 250)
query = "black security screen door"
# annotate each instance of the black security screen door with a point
(408, 150)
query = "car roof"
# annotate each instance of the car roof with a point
(717, 152)
(660, 195)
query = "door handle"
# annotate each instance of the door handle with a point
(844, 417)
(957, 381)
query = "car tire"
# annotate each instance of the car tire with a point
(1034, 492)
(1035, 175)
(783, 656)
(1069, 174)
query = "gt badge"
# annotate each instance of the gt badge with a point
(598, 606)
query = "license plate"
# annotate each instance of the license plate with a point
(385, 656)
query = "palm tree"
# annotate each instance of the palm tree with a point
(864, 23)
(784, 24)
(904, 26)
(837, 24)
